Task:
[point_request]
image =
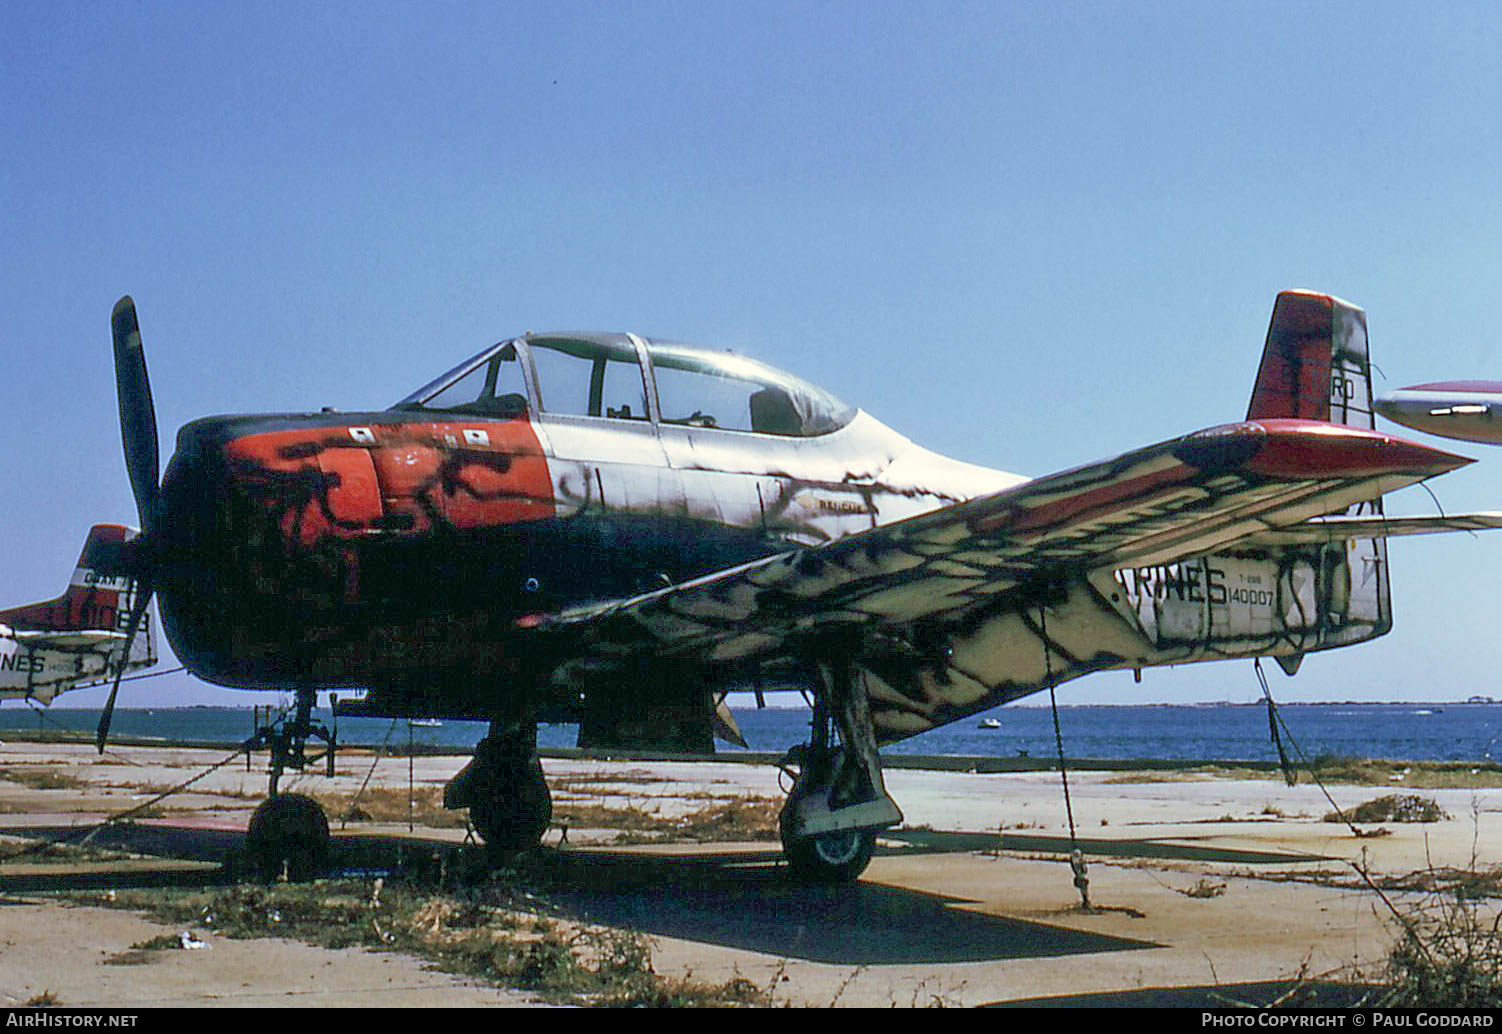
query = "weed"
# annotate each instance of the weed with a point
(42, 779)
(497, 929)
(1392, 808)
(145, 951)
(1205, 888)
(1448, 953)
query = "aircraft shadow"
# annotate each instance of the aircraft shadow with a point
(745, 902)
(940, 842)
(742, 899)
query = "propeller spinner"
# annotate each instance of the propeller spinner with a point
(142, 463)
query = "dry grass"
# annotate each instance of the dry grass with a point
(500, 930)
(631, 777)
(719, 820)
(1422, 775)
(710, 818)
(1448, 949)
(1392, 808)
(43, 778)
(424, 807)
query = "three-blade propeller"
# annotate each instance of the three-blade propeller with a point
(142, 462)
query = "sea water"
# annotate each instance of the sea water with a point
(1226, 732)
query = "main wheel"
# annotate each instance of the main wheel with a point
(288, 830)
(828, 857)
(511, 808)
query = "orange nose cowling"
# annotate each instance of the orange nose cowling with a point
(345, 483)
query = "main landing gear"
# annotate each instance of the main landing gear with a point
(504, 788)
(289, 831)
(838, 803)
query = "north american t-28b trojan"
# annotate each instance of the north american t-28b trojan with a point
(611, 530)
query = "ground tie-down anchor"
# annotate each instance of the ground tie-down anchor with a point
(1081, 878)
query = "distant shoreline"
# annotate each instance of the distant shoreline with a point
(18, 705)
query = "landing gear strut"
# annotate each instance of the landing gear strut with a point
(839, 802)
(504, 788)
(289, 831)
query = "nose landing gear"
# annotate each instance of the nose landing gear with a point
(289, 831)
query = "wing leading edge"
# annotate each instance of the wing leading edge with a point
(929, 586)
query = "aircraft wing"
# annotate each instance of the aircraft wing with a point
(1158, 505)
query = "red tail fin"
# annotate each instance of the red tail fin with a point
(1315, 364)
(98, 595)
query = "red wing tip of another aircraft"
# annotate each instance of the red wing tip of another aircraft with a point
(1476, 387)
(1300, 449)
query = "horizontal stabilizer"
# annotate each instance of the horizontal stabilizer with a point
(80, 639)
(1343, 528)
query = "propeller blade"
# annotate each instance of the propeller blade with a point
(137, 414)
(137, 612)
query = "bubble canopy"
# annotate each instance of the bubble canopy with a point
(694, 386)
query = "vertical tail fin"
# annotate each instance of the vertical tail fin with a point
(1315, 364)
(97, 597)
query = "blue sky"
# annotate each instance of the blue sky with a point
(1025, 235)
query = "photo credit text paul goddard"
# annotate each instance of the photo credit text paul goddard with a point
(1375, 1019)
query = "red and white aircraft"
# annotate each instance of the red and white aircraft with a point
(612, 529)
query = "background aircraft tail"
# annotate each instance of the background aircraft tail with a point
(57, 645)
(1315, 364)
(93, 598)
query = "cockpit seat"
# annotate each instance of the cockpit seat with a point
(773, 412)
(509, 407)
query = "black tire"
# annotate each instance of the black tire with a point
(512, 808)
(291, 831)
(830, 857)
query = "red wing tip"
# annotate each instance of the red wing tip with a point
(1469, 387)
(1297, 449)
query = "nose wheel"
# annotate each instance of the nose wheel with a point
(289, 831)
